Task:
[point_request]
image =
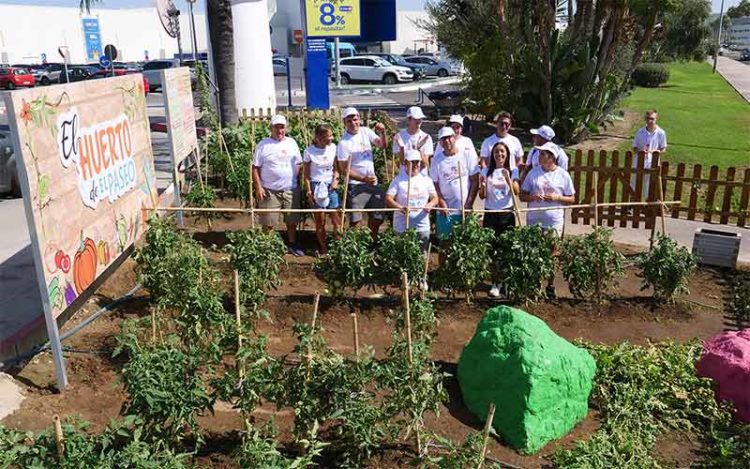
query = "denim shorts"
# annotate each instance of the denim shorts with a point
(333, 196)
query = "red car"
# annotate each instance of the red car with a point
(118, 72)
(13, 77)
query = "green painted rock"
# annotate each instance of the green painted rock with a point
(540, 383)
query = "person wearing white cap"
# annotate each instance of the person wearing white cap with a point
(541, 136)
(413, 138)
(322, 180)
(456, 178)
(548, 185)
(416, 189)
(354, 155)
(504, 123)
(276, 166)
(464, 143)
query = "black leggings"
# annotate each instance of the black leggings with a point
(499, 222)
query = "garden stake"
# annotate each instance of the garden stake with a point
(461, 190)
(596, 198)
(408, 195)
(487, 428)
(153, 325)
(514, 199)
(316, 304)
(426, 266)
(662, 207)
(252, 200)
(346, 193)
(356, 335)
(59, 440)
(238, 319)
(407, 316)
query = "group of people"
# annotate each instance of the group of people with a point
(445, 177)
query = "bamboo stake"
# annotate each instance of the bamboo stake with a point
(237, 315)
(153, 325)
(252, 199)
(514, 198)
(407, 315)
(594, 205)
(426, 267)
(661, 209)
(316, 304)
(356, 335)
(461, 190)
(59, 439)
(487, 428)
(408, 196)
(346, 193)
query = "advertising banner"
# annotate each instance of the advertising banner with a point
(180, 113)
(92, 37)
(326, 18)
(86, 169)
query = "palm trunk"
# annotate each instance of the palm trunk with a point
(221, 32)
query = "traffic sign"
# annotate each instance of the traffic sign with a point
(328, 19)
(110, 51)
(104, 61)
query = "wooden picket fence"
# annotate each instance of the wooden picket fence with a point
(611, 177)
(265, 114)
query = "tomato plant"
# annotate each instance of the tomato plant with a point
(524, 260)
(350, 262)
(466, 257)
(202, 196)
(396, 254)
(257, 256)
(666, 268)
(590, 263)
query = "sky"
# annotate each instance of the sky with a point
(182, 4)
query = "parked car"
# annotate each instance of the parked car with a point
(103, 73)
(54, 71)
(745, 55)
(419, 71)
(78, 73)
(279, 66)
(41, 75)
(434, 67)
(16, 77)
(152, 72)
(370, 68)
(8, 173)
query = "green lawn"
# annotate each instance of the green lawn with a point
(706, 121)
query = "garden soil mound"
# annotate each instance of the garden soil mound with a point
(726, 360)
(539, 381)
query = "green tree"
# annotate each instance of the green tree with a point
(686, 33)
(743, 9)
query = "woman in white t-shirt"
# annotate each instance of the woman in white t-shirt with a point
(497, 185)
(322, 180)
(548, 186)
(417, 191)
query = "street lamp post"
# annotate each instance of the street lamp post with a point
(193, 37)
(174, 24)
(718, 36)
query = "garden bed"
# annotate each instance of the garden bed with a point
(632, 315)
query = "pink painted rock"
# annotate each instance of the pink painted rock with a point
(726, 360)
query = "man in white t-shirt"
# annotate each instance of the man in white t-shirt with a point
(456, 178)
(541, 136)
(464, 143)
(413, 138)
(415, 190)
(504, 122)
(354, 156)
(648, 139)
(276, 165)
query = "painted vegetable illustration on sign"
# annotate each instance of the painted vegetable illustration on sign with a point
(84, 265)
(103, 252)
(70, 294)
(55, 293)
(62, 261)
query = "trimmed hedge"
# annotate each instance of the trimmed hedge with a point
(651, 75)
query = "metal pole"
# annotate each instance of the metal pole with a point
(193, 37)
(718, 36)
(288, 84)
(336, 57)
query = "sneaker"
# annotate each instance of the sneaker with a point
(551, 294)
(296, 250)
(495, 291)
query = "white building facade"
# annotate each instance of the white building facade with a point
(739, 34)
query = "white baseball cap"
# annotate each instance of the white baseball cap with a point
(545, 132)
(446, 132)
(412, 155)
(348, 112)
(415, 112)
(278, 119)
(549, 146)
(456, 119)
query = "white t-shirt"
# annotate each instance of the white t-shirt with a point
(539, 181)
(465, 144)
(422, 189)
(562, 157)
(278, 162)
(514, 145)
(419, 141)
(498, 195)
(444, 172)
(359, 148)
(321, 162)
(651, 141)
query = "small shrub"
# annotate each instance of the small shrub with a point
(350, 262)
(257, 256)
(466, 257)
(524, 260)
(666, 268)
(651, 75)
(202, 196)
(397, 253)
(590, 263)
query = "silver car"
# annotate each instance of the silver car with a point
(279, 66)
(152, 71)
(370, 68)
(435, 67)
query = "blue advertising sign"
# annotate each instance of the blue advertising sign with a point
(316, 76)
(379, 21)
(92, 37)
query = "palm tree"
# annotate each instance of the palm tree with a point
(219, 15)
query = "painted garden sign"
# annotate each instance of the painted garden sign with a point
(87, 170)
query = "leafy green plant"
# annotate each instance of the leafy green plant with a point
(350, 262)
(454, 456)
(590, 263)
(651, 75)
(202, 196)
(740, 300)
(257, 256)
(666, 268)
(396, 254)
(524, 260)
(466, 257)
(258, 449)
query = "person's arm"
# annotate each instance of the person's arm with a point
(441, 200)
(259, 191)
(565, 199)
(432, 202)
(336, 175)
(473, 189)
(380, 140)
(390, 198)
(526, 195)
(308, 182)
(482, 186)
